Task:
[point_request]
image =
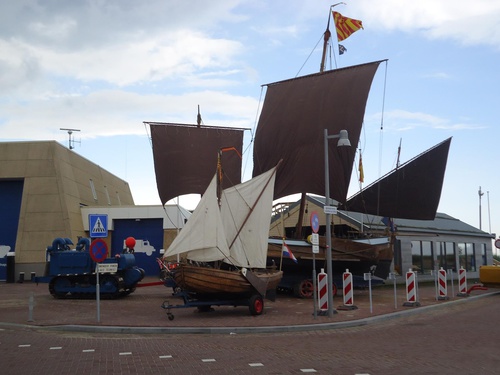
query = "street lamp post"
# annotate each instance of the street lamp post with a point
(343, 141)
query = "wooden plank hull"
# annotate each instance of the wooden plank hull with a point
(212, 281)
(358, 257)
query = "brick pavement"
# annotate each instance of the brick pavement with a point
(143, 309)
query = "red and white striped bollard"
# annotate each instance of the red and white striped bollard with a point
(462, 282)
(322, 290)
(411, 290)
(347, 292)
(442, 284)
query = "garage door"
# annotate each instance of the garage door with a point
(11, 193)
(148, 234)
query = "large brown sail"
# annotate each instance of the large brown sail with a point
(185, 157)
(412, 191)
(291, 127)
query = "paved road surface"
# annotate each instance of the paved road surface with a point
(459, 338)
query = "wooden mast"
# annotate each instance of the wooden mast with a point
(326, 37)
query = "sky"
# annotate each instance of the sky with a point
(106, 66)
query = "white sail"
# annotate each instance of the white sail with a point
(202, 239)
(246, 215)
(237, 232)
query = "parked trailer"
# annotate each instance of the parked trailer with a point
(204, 303)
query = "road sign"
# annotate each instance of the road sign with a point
(332, 210)
(98, 226)
(497, 243)
(98, 250)
(314, 222)
(107, 267)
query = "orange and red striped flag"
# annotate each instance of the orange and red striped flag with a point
(345, 26)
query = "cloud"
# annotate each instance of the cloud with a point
(401, 121)
(462, 21)
(112, 112)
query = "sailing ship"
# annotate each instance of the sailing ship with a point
(291, 128)
(410, 191)
(295, 114)
(223, 246)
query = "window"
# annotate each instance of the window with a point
(466, 256)
(92, 187)
(422, 256)
(446, 255)
(107, 195)
(484, 254)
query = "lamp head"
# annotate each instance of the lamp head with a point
(343, 139)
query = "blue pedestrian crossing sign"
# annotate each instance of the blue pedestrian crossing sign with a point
(98, 226)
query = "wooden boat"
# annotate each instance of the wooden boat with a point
(224, 243)
(209, 281)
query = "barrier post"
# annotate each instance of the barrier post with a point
(462, 283)
(347, 292)
(323, 292)
(411, 290)
(392, 276)
(450, 272)
(442, 285)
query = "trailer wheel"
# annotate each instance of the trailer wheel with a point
(304, 289)
(256, 305)
(170, 316)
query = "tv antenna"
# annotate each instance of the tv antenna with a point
(72, 141)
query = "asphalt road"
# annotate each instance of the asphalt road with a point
(459, 338)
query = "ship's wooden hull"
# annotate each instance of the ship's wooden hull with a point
(211, 281)
(358, 257)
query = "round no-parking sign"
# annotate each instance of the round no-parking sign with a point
(314, 222)
(98, 250)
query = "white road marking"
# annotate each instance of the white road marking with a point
(24, 345)
(255, 364)
(208, 360)
(165, 356)
(307, 370)
(55, 348)
(125, 353)
(88, 350)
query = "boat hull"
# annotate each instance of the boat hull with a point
(218, 282)
(358, 257)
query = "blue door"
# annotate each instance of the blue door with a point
(11, 194)
(148, 234)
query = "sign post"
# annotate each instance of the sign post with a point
(98, 252)
(315, 250)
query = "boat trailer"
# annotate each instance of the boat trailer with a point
(255, 303)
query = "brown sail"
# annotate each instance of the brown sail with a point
(412, 191)
(291, 127)
(185, 157)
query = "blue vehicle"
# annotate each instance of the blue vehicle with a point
(71, 272)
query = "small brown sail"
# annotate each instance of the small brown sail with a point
(291, 127)
(412, 191)
(185, 157)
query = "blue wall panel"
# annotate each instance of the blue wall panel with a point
(148, 234)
